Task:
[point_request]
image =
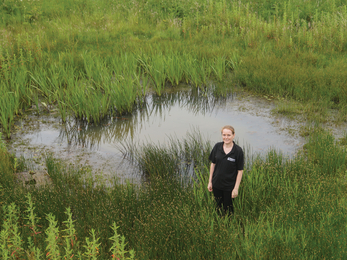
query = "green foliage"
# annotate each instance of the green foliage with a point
(2, 144)
(11, 244)
(14, 246)
(343, 140)
(178, 159)
(52, 233)
(285, 207)
(6, 172)
(70, 235)
(92, 247)
(19, 11)
(325, 154)
(300, 77)
(288, 49)
(118, 249)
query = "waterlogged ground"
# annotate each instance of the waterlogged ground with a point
(173, 115)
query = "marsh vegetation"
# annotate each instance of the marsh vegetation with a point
(287, 208)
(89, 60)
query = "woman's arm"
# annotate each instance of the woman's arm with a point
(235, 191)
(209, 187)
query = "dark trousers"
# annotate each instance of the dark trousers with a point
(223, 198)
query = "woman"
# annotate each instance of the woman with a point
(226, 170)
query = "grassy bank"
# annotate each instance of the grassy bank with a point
(92, 59)
(58, 54)
(287, 209)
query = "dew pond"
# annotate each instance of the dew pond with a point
(160, 118)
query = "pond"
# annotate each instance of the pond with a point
(158, 119)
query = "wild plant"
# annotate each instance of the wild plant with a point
(92, 246)
(177, 159)
(219, 68)
(8, 106)
(52, 237)
(201, 194)
(287, 49)
(156, 70)
(69, 236)
(281, 202)
(289, 29)
(11, 242)
(118, 246)
(31, 216)
(2, 144)
(174, 68)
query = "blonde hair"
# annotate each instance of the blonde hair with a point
(229, 127)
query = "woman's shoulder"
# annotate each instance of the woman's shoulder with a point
(238, 148)
(219, 144)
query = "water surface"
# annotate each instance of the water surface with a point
(156, 120)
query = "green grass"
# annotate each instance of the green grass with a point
(178, 159)
(94, 59)
(60, 244)
(288, 49)
(287, 208)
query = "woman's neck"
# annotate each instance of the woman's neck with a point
(228, 145)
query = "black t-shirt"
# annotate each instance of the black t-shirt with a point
(226, 166)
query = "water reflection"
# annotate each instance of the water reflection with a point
(156, 120)
(120, 128)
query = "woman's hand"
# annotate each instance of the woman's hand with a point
(209, 186)
(234, 193)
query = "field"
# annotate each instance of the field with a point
(88, 60)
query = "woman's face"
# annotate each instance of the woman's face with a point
(227, 136)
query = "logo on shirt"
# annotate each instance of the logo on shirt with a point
(231, 159)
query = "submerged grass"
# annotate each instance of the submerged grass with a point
(178, 159)
(287, 208)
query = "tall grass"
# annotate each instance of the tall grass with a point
(25, 241)
(287, 208)
(6, 171)
(177, 160)
(288, 49)
(103, 87)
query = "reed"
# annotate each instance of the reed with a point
(173, 69)
(291, 49)
(6, 172)
(8, 105)
(290, 37)
(284, 208)
(179, 159)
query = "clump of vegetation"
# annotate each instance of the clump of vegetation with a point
(178, 159)
(343, 140)
(26, 240)
(116, 52)
(283, 202)
(94, 58)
